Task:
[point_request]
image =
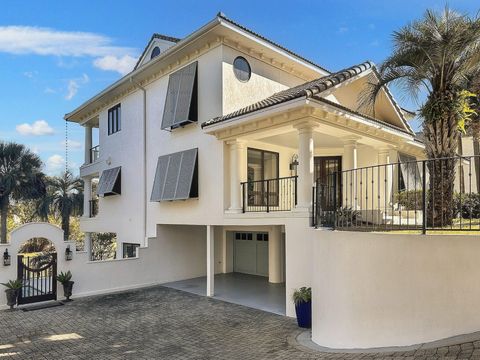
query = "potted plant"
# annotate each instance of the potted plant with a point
(65, 278)
(12, 291)
(303, 306)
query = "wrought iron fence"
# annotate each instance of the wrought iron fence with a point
(279, 194)
(428, 195)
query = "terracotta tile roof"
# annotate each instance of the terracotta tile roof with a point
(306, 90)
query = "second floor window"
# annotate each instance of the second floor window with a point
(114, 119)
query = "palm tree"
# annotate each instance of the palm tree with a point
(21, 178)
(436, 55)
(64, 198)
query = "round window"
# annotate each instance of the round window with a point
(241, 69)
(155, 52)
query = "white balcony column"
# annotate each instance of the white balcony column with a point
(88, 143)
(350, 152)
(275, 271)
(238, 173)
(210, 260)
(305, 167)
(386, 177)
(350, 178)
(87, 196)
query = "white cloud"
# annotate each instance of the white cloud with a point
(74, 85)
(55, 163)
(37, 128)
(122, 65)
(72, 144)
(46, 41)
(72, 89)
(22, 40)
(49, 90)
(30, 74)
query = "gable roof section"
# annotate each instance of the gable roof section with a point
(222, 16)
(180, 43)
(155, 36)
(306, 90)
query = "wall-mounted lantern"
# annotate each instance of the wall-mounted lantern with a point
(7, 259)
(68, 254)
(294, 163)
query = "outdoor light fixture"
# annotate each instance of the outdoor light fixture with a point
(294, 163)
(68, 254)
(6, 258)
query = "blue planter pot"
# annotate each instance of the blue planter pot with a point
(304, 314)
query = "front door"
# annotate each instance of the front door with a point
(38, 274)
(327, 171)
(250, 253)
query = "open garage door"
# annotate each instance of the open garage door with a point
(250, 254)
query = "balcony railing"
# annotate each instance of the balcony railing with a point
(93, 208)
(279, 194)
(428, 195)
(94, 153)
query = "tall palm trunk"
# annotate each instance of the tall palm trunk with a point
(66, 227)
(4, 216)
(441, 140)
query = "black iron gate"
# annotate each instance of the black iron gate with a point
(38, 274)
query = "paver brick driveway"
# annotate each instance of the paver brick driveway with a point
(162, 323)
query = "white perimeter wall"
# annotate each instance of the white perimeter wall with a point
(374, 290)
(178, 253)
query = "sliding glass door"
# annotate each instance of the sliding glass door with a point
(262, 175)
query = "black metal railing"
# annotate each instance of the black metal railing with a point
(94, 153)
(428, 195)
(279, 194)
(93, 208)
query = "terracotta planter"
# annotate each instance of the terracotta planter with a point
(67, 289)
(12, 296)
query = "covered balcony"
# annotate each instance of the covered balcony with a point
(274, 162)
(92, 148)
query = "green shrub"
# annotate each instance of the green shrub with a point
(13, 284)
(410, 199)
(302, 295)
(64, 277)
(467, 205)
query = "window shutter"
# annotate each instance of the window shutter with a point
(175, 176)
(110, 182)
(180, 97)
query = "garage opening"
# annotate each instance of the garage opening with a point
(249, 268)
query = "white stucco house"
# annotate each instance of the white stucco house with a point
(208, 152)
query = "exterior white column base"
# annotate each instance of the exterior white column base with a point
(234, 211)
(302, 209)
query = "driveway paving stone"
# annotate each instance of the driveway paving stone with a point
(163, 323)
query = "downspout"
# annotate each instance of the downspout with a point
(145, 240)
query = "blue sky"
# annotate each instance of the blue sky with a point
(54, 55)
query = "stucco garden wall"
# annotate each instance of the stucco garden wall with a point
(177, 253)
(375, 290)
